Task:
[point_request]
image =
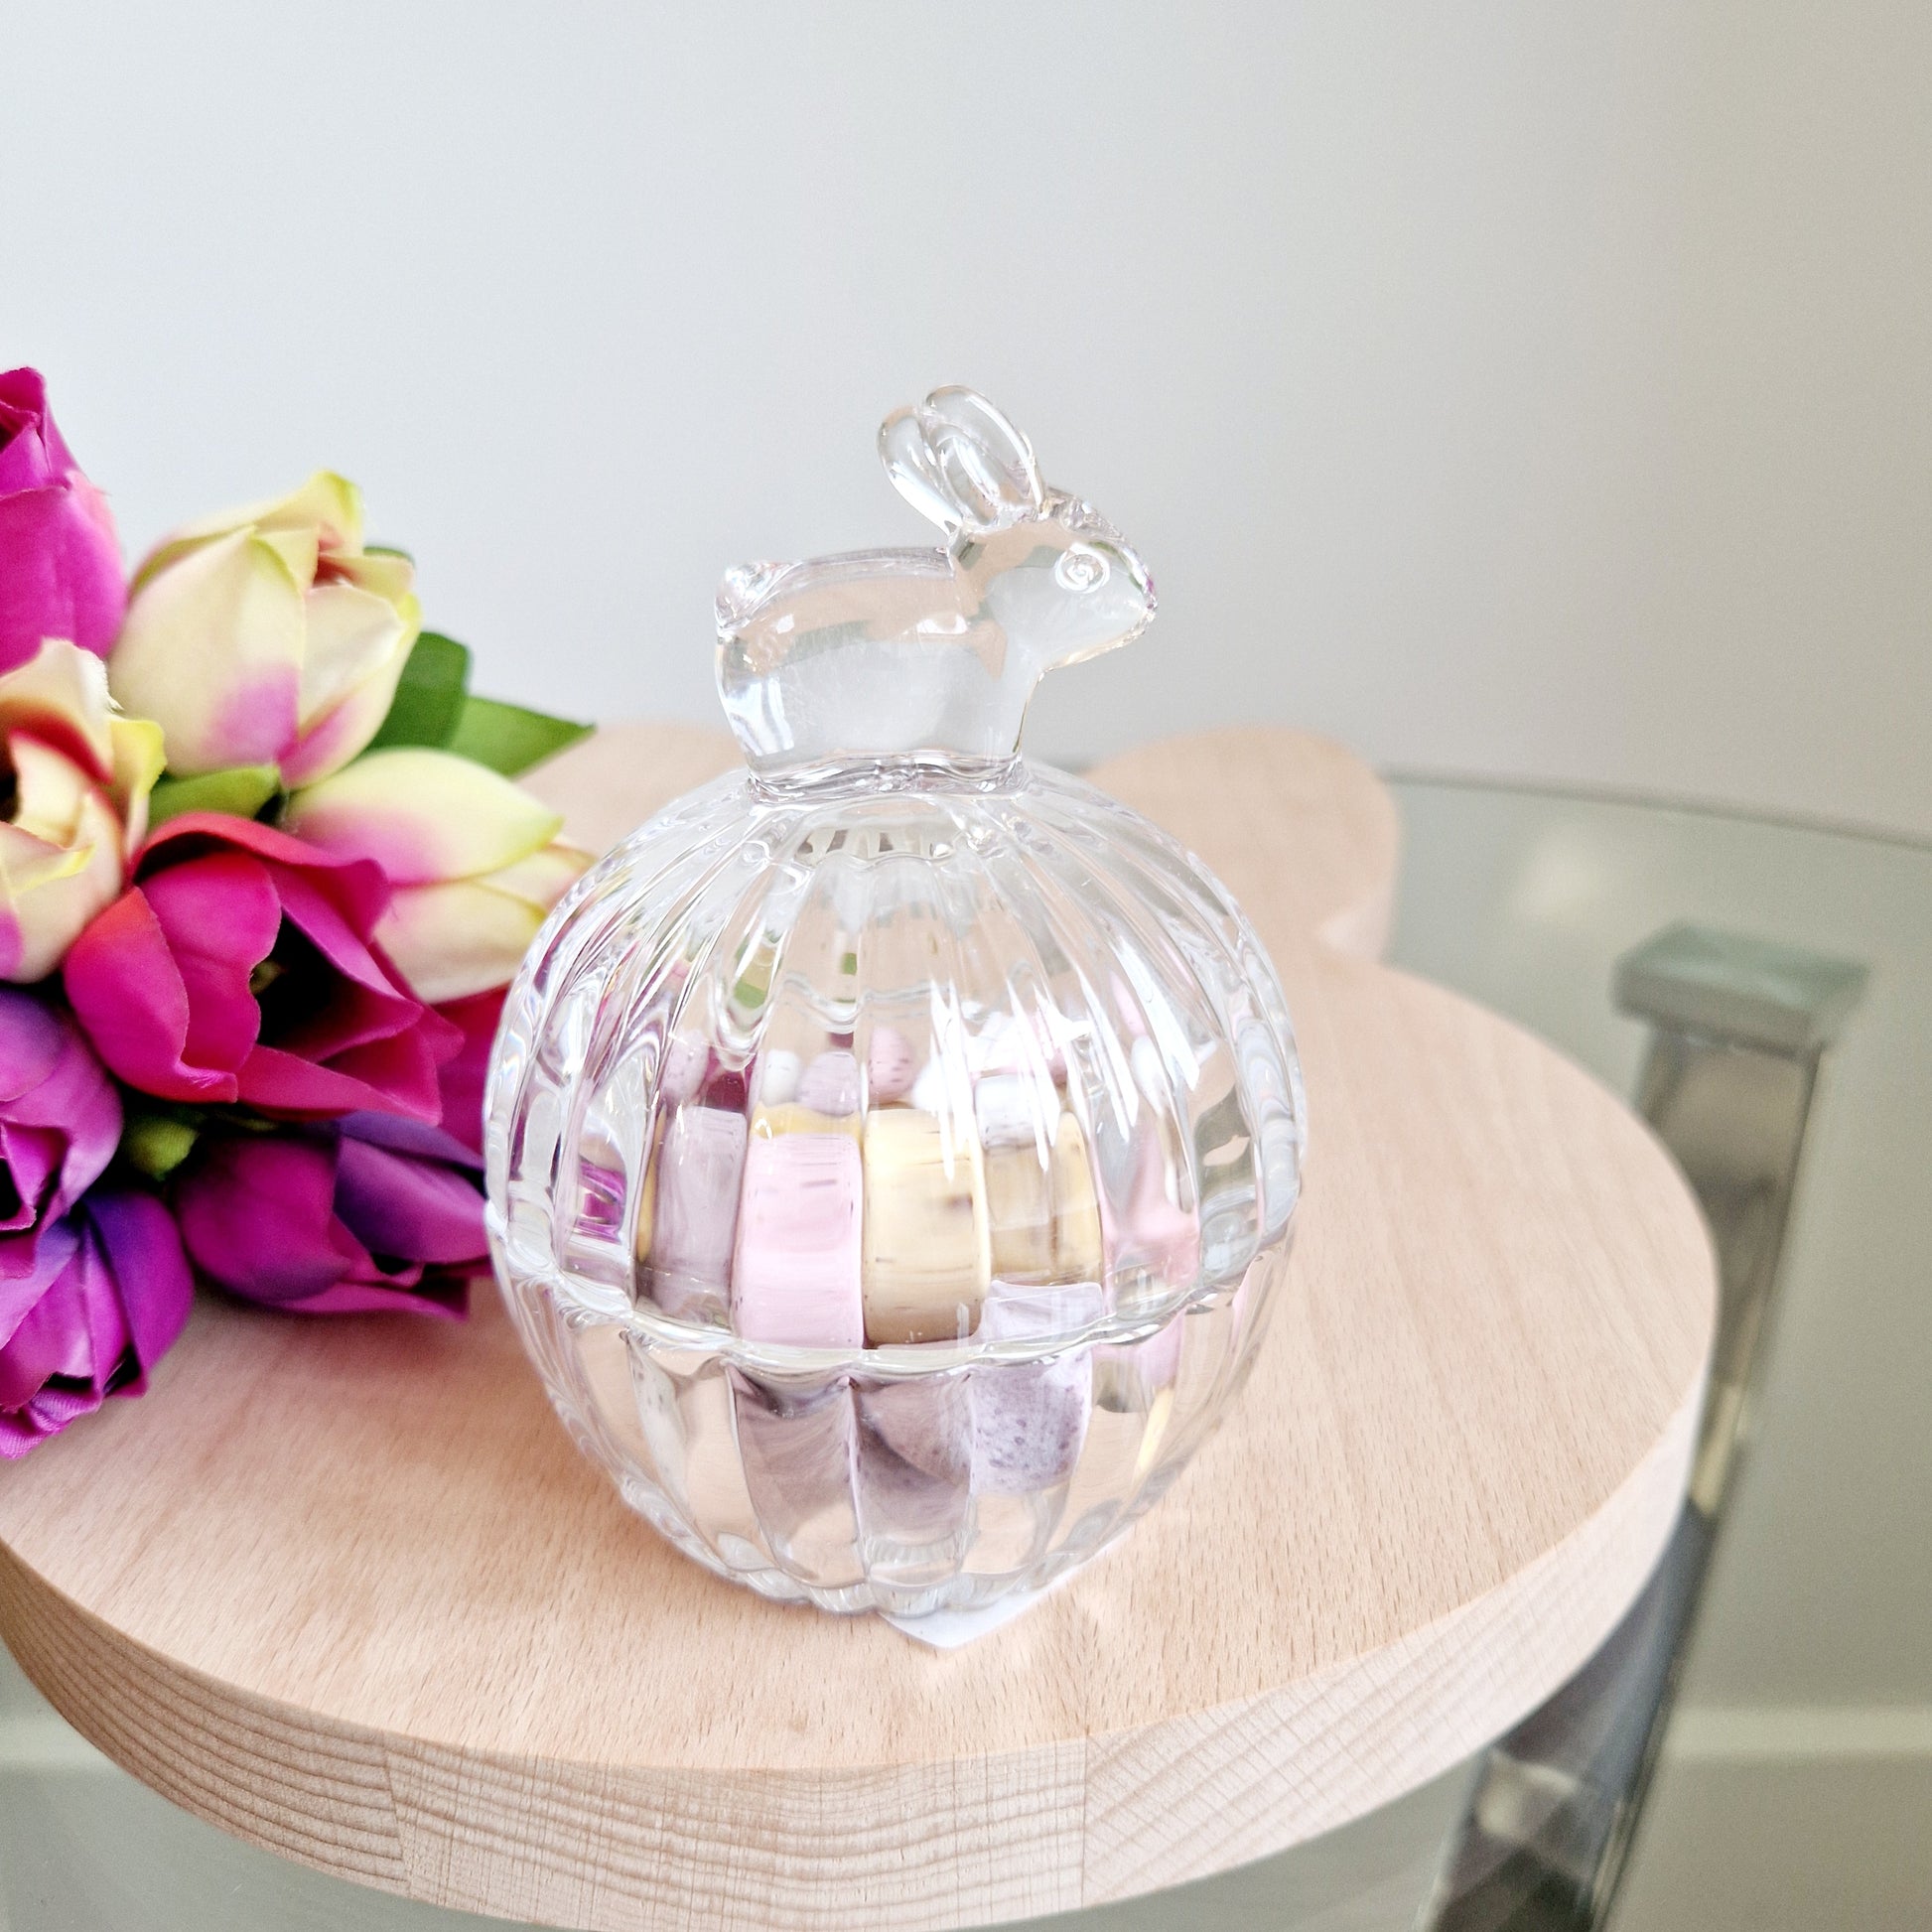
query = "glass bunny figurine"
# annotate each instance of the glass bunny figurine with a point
(893, 1147)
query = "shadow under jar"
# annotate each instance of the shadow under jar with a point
(892, 1147)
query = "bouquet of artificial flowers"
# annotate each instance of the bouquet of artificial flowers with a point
(264, 878)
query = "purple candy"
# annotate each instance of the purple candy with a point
(686, 1061)
(1030, 1419)
(830, 1085)
(916, 1458)
(1030, 1424)
(799, 1446)
(698, 1174)
(927, 1422)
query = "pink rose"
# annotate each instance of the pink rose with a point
(59, 561)
(375, 1213)
(60, 1123)
(239, 967)
(109, 1292)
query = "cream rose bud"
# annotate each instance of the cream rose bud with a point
(476, 862)
(268, 635)
(78, 778)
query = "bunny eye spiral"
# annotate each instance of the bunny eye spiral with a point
(1080, 568)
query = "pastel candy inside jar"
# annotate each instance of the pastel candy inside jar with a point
(932, 1192)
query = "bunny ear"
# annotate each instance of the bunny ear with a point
(984, 453)
(915, 470)
(961, 464)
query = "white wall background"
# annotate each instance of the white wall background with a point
(1504, 388)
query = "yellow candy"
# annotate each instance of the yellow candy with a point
(1076, 1211)
(927, 1252)
(1046, 1224)
(647, 1206)
(788, 1117)
(1019, 1205)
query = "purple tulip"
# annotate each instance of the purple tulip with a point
(109, 1292)
(60, 1122)
(59, 561)
(376, 1212)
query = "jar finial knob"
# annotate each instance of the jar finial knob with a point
(929, 653)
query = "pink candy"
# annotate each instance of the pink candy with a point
(796, 1274)
(686, 1062)
(890, 1066)
(1150, 1231)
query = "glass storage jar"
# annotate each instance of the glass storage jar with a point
(892, 1146)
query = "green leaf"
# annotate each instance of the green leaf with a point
(157, 1144)
(429, 695)
(389, 550)
(243, 790)
(508, 739)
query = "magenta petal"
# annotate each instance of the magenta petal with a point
(415, 1210)
(398, 1072)
(74, 1332)
(345, 1017)
(357, 887)
(30, 1043)
(122, 983)
(60, 572)
(257, 1215)
(448, 1298)
(51, 1345)
(21, 1293)
(45, 1414)
(31, 451)
(28, 433)
(144, 1253)
(465, 1074)
(60, 1123)
(91, 1282)
(401, 1072)
(405, 1135)
(76, 1101)
(220, 916)
(313, 899)
(32, 1159)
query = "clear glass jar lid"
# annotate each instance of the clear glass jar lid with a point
(901, 1039)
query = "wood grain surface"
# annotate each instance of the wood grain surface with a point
(347, 1589)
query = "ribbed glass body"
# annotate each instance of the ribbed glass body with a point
(889, 1165)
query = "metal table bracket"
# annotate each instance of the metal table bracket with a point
(1739, 1029)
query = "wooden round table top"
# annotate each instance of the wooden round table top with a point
(347, 1589)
